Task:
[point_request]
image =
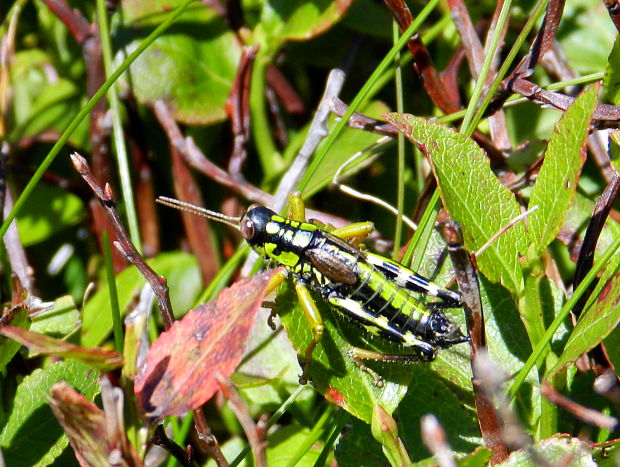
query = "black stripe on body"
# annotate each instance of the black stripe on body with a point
(410, 280)
(386, 304)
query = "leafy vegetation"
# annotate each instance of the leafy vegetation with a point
(219, 104)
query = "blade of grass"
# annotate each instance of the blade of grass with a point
(543, 344)
(327, 420)
(400, 188)
(468, 125)
(423, 233)
(523, 35)
(272, 421)
(117, 126)
(362, 95)
(117, 323)
(23, 197)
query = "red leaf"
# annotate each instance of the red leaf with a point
(40, 343)
(179, 372)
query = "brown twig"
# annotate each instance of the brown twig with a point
(435, 439)
(77, 25)
(279, 127)
(256, 436)
(196, 159)
(466, 277)
(607, 385)
(196, 227)
(105, 198)
(238, 109)
(284, 91)
(160, 438)
(145, 183)
(208, 440)
(199, 161)
(543, 41)
(318, 130)
(158, 283)
(86, 35)
(363, 122)
(613, 8)
(590, 240)
(517, 81)
(591, 416)
(422, 62)
(602, 112)
(490, 380)
(147, 214)
(585, 260)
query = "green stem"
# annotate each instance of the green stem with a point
(542, 345)
(271, 160)
(532, 305)
(422, 234)
(523, 35)
(469, 124)
(117, 126)
(400, 189)
(327, 420)
(272, 421)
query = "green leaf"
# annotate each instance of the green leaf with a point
(472, 195)
(32, 435)
(285, 442)
(585, 36)
(60, 320)
(50, 210)
(332, 372)
(282, 20)
(357, 442)
(191, 67)
(614, 149)
(453, 407)
(105, 360)
(385, 430)
(558, 176)
(479, 458)
(553, 451)
(51, 109)
(350, 142)
(184, 283)
(612, 74)
(281, 444)
(600, 317)
(576, 221)
(17, 317)
(270, 365)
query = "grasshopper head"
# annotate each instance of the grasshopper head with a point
(446, 333)
(253, 225)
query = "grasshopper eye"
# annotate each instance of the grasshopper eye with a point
(247, 229)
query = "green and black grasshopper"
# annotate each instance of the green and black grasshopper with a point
(371, 290)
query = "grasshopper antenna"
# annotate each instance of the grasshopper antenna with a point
(193, 209)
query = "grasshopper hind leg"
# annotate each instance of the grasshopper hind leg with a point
(359, 355)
